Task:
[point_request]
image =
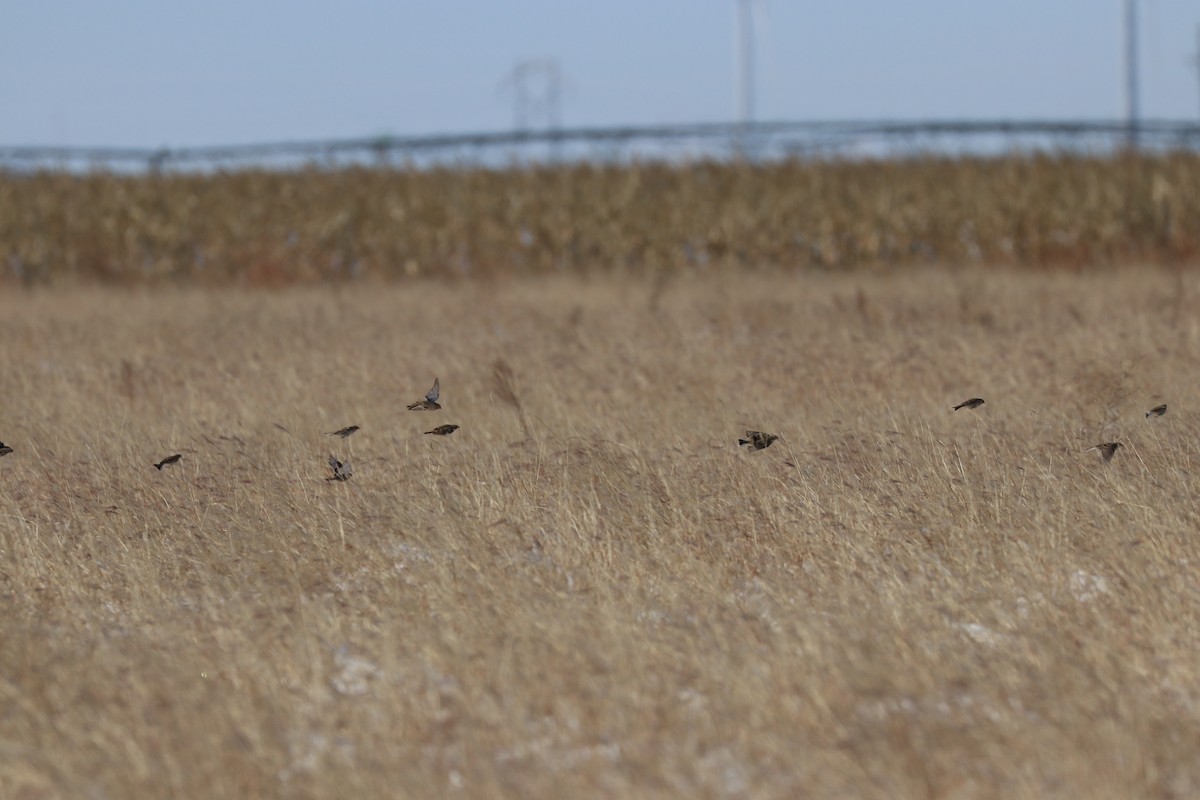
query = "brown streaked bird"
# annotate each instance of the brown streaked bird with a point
(1107, 450)
(443, 430)
(341, 469)
(1157, 411)
(168, 460)
(5, 449)
(974, 402)
(757, 440)
(430, 402)
(343, 432)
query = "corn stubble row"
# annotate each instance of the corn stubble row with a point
(277, 228)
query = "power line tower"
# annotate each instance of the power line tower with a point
(536, 85)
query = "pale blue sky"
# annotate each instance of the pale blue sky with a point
(157, 72)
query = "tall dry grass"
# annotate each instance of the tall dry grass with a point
(271, 229)
(589, 590)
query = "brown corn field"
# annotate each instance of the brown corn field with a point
(275, 229)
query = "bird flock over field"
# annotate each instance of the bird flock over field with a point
(753, 440)
(339, 470)
(757, 440)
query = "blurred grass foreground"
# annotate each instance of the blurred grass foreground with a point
(264, 228)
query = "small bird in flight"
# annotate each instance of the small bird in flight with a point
(341, 469)
(443, 430)
(5, 449)
(168, 460)
(1107, 450)
(1157, 411)
(430, 402)
(974, 402)
(344, 432)
(758, 440)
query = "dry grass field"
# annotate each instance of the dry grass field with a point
(589, 590)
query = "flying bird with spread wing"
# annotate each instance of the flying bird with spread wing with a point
(5, 449)
(430, 403)
(341, 469)
(168, 460)
(1157, 411)
(343, 432)
(974, 402)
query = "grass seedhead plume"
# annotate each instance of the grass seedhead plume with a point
(504, 384)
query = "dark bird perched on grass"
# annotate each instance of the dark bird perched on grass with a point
(1157, 411)
(443, 430)
(430, 402)
(5, 449)
(168, 460)
(1107, 450)
(758, 440)
(341, 470)
(344, 432)
(974, 402)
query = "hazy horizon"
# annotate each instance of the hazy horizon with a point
(142, 75)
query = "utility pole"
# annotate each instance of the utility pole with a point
(745, 85)
(1131, 73)
(1196, 57)
(745, 61)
